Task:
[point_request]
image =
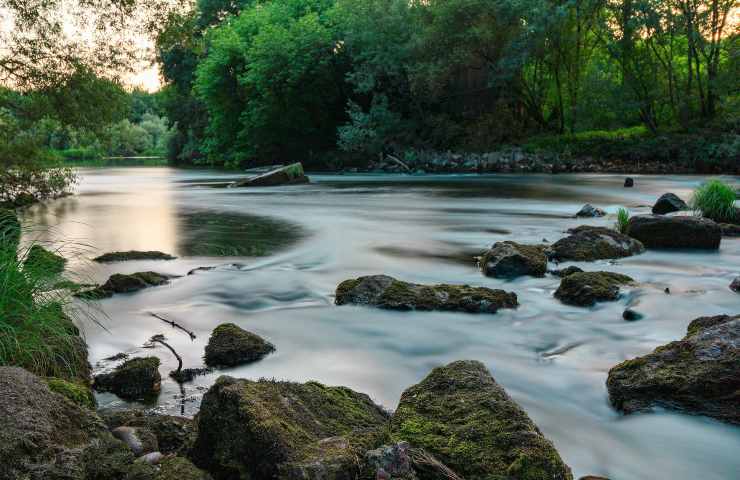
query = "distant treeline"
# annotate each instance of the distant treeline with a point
(337, 81)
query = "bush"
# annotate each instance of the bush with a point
(715, 200)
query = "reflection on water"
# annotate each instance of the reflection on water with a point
(552, 358)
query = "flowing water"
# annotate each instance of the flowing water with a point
(280, 252)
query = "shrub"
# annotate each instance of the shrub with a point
(623, 218)
(715, 200)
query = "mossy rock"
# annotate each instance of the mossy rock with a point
(231, 345)
(459, 414)
(133, 379)
(10, 229)
(584, 289)
(288, 175)
(588, 244)
(678, 232)
(269, 429)
(699, 374)
(174, 434)
(510, 260)
(126, 283)
(44, 262)
(79, 393)
(132, 255)
(179, 468)
(382, 291)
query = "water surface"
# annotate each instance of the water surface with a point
(280, 252)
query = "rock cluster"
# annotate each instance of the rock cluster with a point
(382, 291)
(699, 374)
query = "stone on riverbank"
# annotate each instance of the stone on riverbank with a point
(510, 260)
(657, 231)
(270, 429)
(231, 345)
(133, 379)
(132, 255)
(699, 374)
(174, 434)
(292, 174)
(386, 292)
(584, 289)
(589, 211)
(459, 414)
(125, 283)
(587, 244)
(669, 203)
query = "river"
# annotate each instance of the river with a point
(280, 252)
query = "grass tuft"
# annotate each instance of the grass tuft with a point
(623, 218)
(715, 200)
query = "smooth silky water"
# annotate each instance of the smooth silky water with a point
(280, 252)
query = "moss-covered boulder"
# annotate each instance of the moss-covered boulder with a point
(382, 291)
(44, 262)
(132, 255)
(587, 244)
(78, 392)
(10, 229)
(133, 379)
(584, 289)
(270, 429)
(461, 415)
(510, 260)
(280, 175)
(682, 232)
(669, 203)
(126, 283)
(699, 374)
(231, 345)
(180, 468)
(174, 434)
(44, 435)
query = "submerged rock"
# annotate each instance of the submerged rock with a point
(629, 182)
(735, 285)
(510, 260)
(587, 244)
(669, 203)
(125, 283)
(231, 345)
(699, 374)
(133, 379)
(459, 414)
(280, 175)
(382, 291)
(132, 255)
(584, 289)
(270, 429)
(657, 231)
(174, 434)
(589, 211)
(631, 315)
(44, 262)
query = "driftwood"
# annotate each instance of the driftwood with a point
(174, 325)
(398, 162)
(423, 460)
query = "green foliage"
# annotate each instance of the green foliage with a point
(79, 393)
(623, 218)
(716, 200)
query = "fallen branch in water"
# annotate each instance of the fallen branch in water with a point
(398, 162)
(160, 339)
(174, 325)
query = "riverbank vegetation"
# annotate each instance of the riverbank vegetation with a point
(338, 82)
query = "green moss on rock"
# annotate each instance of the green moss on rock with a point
(231, 345)
(79, 393)
(249, 429)
(584, 289)
(459, 414)
(126, 283)
(179, 468)
(511, 259)
(382, 291)
(587, 244)
(133, 255)
(699, 374)
(133, 379)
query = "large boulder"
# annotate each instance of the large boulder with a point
(459, 414)
(231, 345)
(280, 175)
(133, 379)
(699, 374)
(587, 244)
(510, 260)
(132, 255)
(126, 283)
(270, 429)
(45, 436)
(382, 291)
(658, 231)
(584, 289)
(669, 203)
